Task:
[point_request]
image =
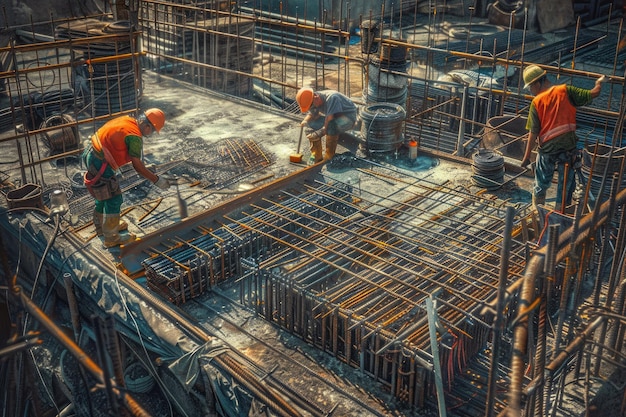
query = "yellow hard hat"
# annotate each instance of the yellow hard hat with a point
(304, 97)
(156, 117)
(532, 73)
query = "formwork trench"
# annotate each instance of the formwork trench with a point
(349, 270)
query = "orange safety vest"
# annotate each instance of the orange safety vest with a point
(557, 114)
(110, 139)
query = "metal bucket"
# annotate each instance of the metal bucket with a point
(504, 134)
(64, 138)
(598, 157)
(27, 196)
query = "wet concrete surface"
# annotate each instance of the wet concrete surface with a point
(189, 150)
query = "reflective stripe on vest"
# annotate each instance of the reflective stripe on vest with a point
(111, 139)
(108, 156)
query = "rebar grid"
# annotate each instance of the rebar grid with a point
(194, 40)
(92, 60)
(349, 273)
(84, 73)
(221, 164)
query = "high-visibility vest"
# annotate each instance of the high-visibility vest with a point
(556, 113)
(110, 139)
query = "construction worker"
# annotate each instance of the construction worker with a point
(329, 113)
(552, 128)
(116, 143)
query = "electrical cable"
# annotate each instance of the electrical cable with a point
(57, 225)
(48, 246)
(44, 385)
(58, 275)
(45, 302)
(149, 361)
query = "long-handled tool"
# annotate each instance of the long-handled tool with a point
(182, 204)
(297, 157)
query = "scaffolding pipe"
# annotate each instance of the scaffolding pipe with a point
(533, 271)
(129, 402)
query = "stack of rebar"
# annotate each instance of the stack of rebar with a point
(198, 34)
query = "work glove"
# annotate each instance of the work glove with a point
(162, 183)
(602, 79)
(318, 134)
(304, 124)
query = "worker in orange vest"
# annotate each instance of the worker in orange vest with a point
(116, 143)
(552, 128)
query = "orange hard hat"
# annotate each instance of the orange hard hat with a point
(156, 117)
(304, 97)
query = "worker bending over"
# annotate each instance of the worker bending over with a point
(116, 143)
(329, 113)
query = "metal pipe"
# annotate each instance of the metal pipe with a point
(71, 302)
(105, 364)
(588, 225)
(498, 323)
(434, 347)
(620, 300)
(543, 401)
(460, 150)
(77, 352)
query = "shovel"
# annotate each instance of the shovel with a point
(297, 157)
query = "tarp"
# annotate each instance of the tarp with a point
(188, 361)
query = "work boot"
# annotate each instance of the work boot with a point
(97, 223)
(316, 150)
(111, 232)
(331, 146)
(538, 200)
